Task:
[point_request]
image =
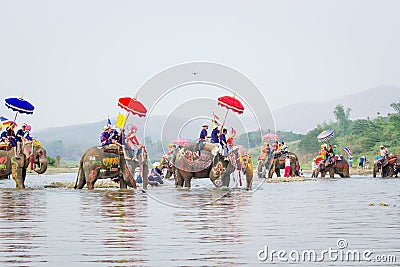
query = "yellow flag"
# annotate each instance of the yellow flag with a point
(120, 121)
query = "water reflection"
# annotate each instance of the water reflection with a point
(119, 220)
(21, 227)
(212, 227)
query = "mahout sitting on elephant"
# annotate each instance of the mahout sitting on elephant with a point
(385, 166)
(338, 165)
(109, 162)
(210, 164)
(11, 162)
(278, 163)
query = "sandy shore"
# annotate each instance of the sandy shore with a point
(51, 170)
(99, 184)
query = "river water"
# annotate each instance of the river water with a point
(203, 226)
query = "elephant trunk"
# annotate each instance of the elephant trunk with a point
(43, 166)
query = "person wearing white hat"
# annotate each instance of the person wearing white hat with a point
(203, 137)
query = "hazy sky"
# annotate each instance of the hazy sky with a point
(74, 59)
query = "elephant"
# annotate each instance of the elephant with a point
(262, 165)
(16, 164)
(247, 168)
(209, 164)
(278, 163)
(397, 166)
(109, 162)
(339, 166)
(36, 155)
(385, 166)
(168, 163)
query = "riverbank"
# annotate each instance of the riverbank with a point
(52, 170)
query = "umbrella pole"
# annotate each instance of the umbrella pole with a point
(15, 119)
(223, 123)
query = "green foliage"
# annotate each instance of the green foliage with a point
(309, 142)
(342, 115)
(254, 139)
(289, 136)
(50, 161)
(396, 107)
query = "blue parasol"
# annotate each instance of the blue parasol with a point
(325, 135)
(19, 105)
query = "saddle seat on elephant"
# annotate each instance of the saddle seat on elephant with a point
(392, 159)
(113, 148)
(280, 156)
(5, 146)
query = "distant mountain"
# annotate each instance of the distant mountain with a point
(71, 141)
(303, 117)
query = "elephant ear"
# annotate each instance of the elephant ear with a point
(215, 151)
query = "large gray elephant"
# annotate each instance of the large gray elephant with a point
(210, 164)
(339, 166)
(385, 166)
(34, 155)
(278, 163)
(109, 162)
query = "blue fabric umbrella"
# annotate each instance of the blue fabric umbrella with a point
(19, 105)
(325, 135)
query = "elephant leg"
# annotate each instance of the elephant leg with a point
(17, 172)
(92, 178)
(278, 172)
(122, 183)
(249, 181)
(331, 173)
(179, 179)
(81, 179)
(23, 177)
(187, 182)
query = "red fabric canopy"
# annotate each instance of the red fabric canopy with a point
(231, 103)
(133, 106)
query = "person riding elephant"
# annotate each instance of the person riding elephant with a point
(263, 161)
(109, 162)
(385, 165)
(338, 166)
(210, 164)
(278, 163)
(33, 155)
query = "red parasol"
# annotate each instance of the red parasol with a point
(230, 102)
(180, 141)
(132, 105)
(271, 137)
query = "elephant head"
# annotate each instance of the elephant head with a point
(36, 156)
(234, 164)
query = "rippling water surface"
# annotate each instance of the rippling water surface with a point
(198, 227)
